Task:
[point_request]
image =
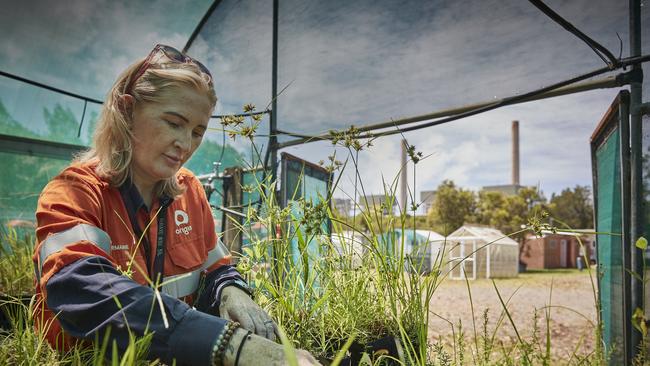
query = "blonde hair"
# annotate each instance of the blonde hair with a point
(112, 147)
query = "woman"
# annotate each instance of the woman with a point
(126, 237)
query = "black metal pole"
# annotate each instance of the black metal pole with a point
(199, 26)
(626, 237)
(614, 81)
(50, 88)
(273, 139)
(636, 194)
(276, 266)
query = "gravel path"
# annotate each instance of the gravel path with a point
(530, 291)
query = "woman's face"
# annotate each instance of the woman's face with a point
(166, 134)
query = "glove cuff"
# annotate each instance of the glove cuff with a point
(215, 282)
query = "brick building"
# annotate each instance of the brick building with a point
(557, 250)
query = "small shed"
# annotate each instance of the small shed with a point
(419, 248)
(427, 251)
(481, 252)
(559, 249)
(350, 246)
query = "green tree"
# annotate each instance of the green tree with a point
(92, 124)
(360, 222)
(535, 200)
(574, 207)
(62, 124)
(420, 223)
(508, 212)
(23, 176)
(9, 126)
(492, 209)
(208, 153)
(451, 207)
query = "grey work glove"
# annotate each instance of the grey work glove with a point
(260, 351)
(237, 305)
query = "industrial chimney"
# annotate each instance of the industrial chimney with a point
(402, 181)
(515, 153)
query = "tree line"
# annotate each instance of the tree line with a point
(25, 176)
(454, 206)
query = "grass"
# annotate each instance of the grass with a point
(21, 345)
(341, 299)
(16, 274)
(325, 301)
(555, 271)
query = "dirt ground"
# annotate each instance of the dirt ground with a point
(573, 312)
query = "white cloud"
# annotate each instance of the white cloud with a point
(357, 70)
(355, 63)
(81, 46)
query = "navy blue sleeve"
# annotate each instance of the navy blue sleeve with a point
(215, 281)
(90, 296)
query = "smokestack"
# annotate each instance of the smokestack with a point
(402, 181)
(515, 153)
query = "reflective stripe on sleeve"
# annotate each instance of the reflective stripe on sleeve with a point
(187, 283)
(56, 242)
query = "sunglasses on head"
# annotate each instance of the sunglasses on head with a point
(172, 54)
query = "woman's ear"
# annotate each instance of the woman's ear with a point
(125, 103)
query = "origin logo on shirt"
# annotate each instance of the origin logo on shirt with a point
(181, 218)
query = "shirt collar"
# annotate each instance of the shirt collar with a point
(131, 197)
(134, 201)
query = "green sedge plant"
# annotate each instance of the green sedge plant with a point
(324, 294)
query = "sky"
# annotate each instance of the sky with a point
(345, 63)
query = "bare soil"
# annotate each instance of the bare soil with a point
(573, 311)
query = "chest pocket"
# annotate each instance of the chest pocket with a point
(184, 268)
(186, 255)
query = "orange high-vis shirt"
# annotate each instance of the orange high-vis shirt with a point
(77, 207)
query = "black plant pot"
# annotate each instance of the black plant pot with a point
(388, 346)
(13, 309)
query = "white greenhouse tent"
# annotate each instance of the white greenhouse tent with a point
(481, 252)
(349, 245)
(425, 252)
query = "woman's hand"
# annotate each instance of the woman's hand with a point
(238, 306)
(260, 351)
